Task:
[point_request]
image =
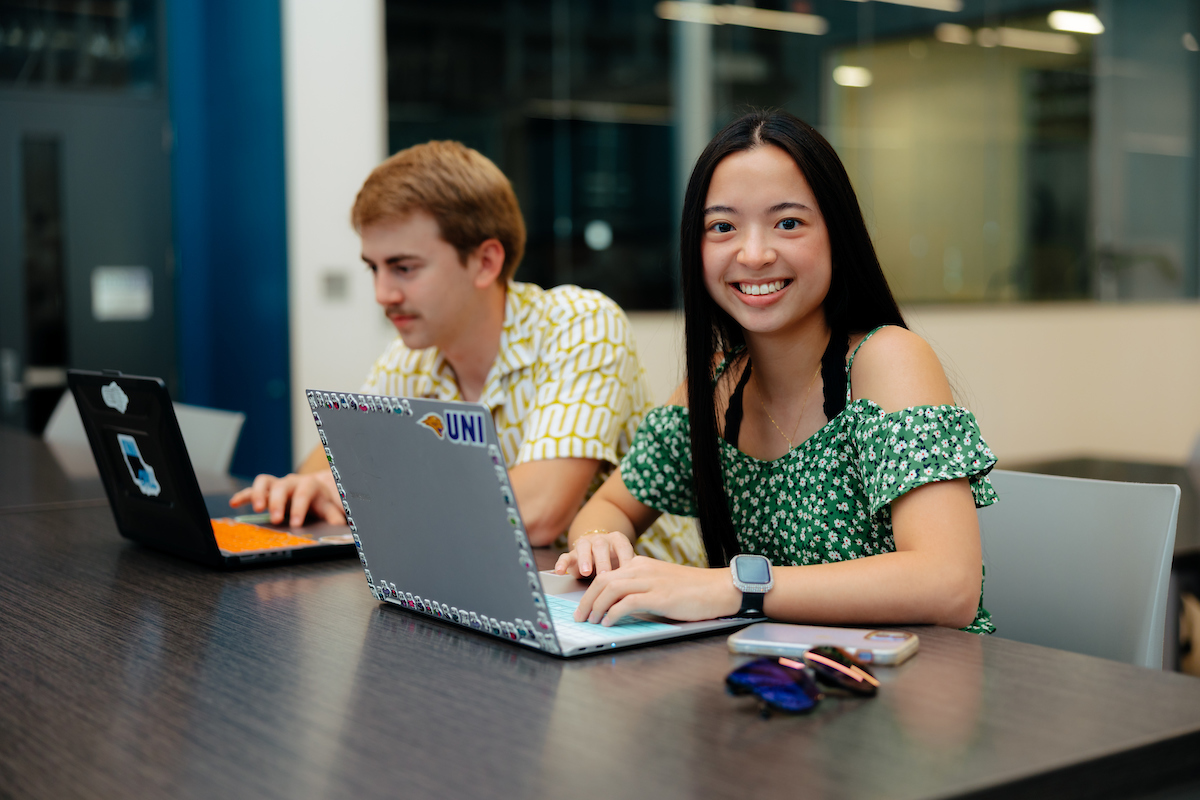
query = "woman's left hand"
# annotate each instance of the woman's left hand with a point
(657, 587)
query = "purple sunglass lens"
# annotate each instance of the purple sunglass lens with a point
(782, 687)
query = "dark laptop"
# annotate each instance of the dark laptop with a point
(152, 488)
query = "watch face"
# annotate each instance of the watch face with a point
(753, 569)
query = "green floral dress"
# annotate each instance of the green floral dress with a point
(828, 499)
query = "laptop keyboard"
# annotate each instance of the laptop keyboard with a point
(241, 537)
(577, 634)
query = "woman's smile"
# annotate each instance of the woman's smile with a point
(760, 288)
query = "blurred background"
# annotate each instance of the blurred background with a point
(178, 176)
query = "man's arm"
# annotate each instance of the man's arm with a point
(311, 488)
(550, 493)
(587, 383)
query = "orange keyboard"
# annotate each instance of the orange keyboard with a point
(241, 537)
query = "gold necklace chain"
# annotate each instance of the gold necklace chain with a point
(803, 406)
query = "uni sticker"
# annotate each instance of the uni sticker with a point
(141, 472)
(114, 397)
(434, 423)
(465, 427)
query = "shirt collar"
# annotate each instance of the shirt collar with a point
(516, 338)
(516, 342)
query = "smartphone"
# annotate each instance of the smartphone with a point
(872, 646)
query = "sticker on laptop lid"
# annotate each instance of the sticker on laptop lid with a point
(141, 472)
(466, 427)
(434, 423)
(114, 397)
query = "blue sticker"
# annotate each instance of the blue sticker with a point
(141, 472)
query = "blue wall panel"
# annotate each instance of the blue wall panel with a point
(226, 86)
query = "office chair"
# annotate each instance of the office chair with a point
(210, 434)
(1080, 565)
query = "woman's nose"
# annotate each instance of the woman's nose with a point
(756, 251)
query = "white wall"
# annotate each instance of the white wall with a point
(336, 132)
(1046, 380)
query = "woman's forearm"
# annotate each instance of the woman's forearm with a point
(601, 514)
(906, 587)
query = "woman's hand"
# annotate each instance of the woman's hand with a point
(656, 587)
(595, 552)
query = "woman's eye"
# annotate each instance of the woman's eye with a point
(789, 224)
(722, 227)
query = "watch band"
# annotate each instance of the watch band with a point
(752, 605)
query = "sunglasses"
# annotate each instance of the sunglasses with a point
(785, 684)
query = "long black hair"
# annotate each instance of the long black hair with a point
(858, 300)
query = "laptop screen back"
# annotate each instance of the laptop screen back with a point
(143, 462)
(428, 494)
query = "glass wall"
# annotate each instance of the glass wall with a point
(79, 44)
(1003, 150)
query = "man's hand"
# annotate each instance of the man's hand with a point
(313, 492)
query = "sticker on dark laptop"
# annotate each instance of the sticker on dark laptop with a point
(141, 472)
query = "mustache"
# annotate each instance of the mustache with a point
(396, 311)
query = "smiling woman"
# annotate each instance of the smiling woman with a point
(867, 510)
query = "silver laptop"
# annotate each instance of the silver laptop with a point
(427, 497)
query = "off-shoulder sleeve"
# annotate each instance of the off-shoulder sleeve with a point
(657, 470)
(914, 446)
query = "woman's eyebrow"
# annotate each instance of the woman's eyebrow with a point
(784, 206)
(719, 210)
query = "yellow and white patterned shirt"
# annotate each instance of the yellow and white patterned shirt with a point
(567, 383)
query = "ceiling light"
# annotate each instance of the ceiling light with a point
(1024, 39)
(1076, 22)
(745, 16)
(852, 76)
(953, 34)
(934, 5)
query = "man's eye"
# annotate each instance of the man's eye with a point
(789, 224)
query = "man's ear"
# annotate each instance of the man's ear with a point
(488, 259)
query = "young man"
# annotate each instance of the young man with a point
(442, 234)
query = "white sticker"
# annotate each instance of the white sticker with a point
(114, 397)
(465, 427)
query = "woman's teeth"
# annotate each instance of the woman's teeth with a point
(761, 288)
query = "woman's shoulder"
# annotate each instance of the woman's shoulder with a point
(895, 368)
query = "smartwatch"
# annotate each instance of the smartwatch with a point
(752, 575)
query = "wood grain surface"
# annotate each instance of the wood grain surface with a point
(34, 475)
(126, 673)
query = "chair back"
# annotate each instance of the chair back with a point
(210, 434)
(1081, 565)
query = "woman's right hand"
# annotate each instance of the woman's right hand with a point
(595, 553)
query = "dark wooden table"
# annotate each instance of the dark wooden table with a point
(126, 673)
(35, 475)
